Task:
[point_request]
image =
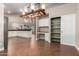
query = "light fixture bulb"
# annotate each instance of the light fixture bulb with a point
(43, 6)
(32, 6)
(23, 13)
(25, 9)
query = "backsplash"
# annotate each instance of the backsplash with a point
(18, 26)
(16, 22)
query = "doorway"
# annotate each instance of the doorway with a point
(55, 29)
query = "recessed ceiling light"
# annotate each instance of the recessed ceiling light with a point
(25, 9)
(43, 6)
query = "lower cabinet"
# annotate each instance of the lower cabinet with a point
(20, 33)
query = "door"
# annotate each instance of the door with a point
(5, 32)
(68, 29)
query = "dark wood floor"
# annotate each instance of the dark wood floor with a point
(32, 47)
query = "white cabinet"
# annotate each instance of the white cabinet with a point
(43, 28)
(12, 33)
(20, 33)
(68, 29)
(24, 33)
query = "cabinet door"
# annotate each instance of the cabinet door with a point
(47, 37)
(68, 29)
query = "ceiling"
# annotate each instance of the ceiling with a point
(14, 8)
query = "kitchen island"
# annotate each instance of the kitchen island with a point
(26, 33)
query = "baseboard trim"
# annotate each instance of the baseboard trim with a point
(48, 41)
(68, 44)
(1, 49)
(77, 48)
(72, 45)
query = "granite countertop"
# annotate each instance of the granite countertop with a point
(19, 30)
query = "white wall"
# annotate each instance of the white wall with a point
(14, 21)
(68, 29)
(61, 10)
(58, 11)
(77, 28)
(44, 21)
(1, 26)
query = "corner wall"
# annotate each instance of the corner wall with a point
(77, 28)
(1, 26)
(61, 10)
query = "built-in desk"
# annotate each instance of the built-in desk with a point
(20, 33)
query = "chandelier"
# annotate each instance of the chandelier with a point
(32, 10)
